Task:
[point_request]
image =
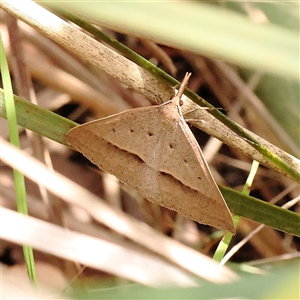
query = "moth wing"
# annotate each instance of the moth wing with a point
(136, 131)
(180, 156)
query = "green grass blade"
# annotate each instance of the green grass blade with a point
(14, 139)
(37, 119)
(224, 244)
(261, 212)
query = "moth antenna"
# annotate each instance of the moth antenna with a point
(183, 85)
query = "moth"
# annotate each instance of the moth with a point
(153, 150)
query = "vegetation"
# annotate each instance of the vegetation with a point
(244, 58)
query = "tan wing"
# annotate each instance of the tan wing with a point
(136, 131)
(180, 156)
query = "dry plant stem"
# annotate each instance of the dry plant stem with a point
(268, 242)
(160, 55)
(79, 91)
(86, 249)
(276, 259)
(258, 109)
(219, 87)
(37, 209)
(53, 51)
(86, 47)
(135, 77)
